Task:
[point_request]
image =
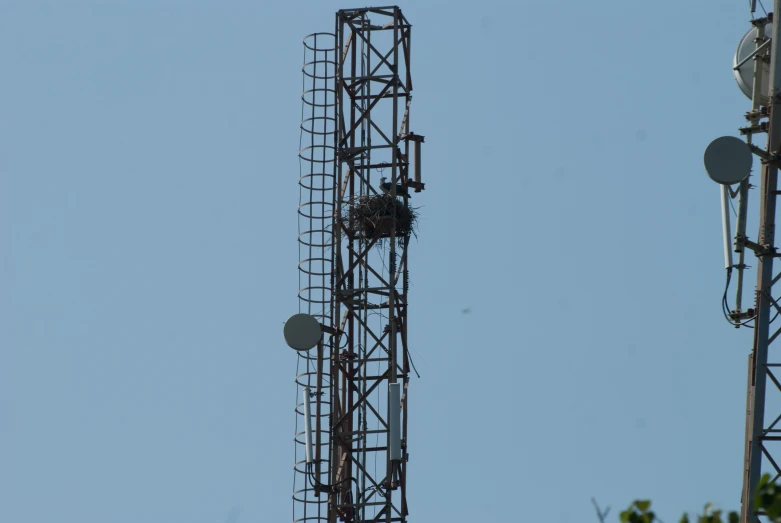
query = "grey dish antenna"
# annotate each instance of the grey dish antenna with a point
(302, 332)
(743, 65)
(728, 160)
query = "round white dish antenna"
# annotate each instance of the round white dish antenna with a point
(728, 160)
(302, 332)
(745, 73)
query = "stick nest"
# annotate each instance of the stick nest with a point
(376, 216)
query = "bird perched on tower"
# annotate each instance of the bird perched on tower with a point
(385, 187)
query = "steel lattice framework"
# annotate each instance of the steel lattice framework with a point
(762, 452)
(763, 432)
(360, 375)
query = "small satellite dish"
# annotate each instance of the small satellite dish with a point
(745, 73)
(302, 332)
(728, 160)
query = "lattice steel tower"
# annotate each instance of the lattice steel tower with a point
(360, 166)
(728, 161)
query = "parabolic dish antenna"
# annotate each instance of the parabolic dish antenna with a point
(728, 160)
(745, 73)
(302, 332)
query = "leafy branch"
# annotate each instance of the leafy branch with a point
(767, 501)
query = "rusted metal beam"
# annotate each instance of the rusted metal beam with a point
(344, 416)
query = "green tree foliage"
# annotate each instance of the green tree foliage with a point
(639, 512)
(767, 499)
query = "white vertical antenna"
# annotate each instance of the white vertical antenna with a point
(308, 427)
(759, 79)
(417, 162)
(725, 224)
(394, 420)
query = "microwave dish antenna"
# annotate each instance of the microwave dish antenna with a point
(743, 65)
(728, 160)
(302, 332)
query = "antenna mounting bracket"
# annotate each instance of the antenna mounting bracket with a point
(759, 250)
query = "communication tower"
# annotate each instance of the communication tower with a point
(360, 166)
(728, 161)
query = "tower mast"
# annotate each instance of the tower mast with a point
(351, 436)
(759, 435)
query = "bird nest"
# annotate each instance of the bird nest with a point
(377, 216)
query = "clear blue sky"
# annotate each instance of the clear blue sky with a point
(148, 193)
